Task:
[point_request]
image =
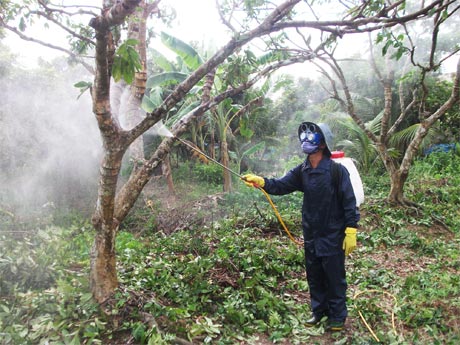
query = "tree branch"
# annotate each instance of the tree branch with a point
(63, 27)
(48, 45)
(404, 110)
(79, 12)
(365, 24)
(224, 20)
(349, 101)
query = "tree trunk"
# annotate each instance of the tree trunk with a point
(212, 145)
(103, 274)
(167, 173)
(137, 29)
(396, 195)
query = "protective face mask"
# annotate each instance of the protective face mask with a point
(309, 148)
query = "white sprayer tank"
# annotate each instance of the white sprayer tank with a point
(339, 157)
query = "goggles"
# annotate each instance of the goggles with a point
(311, 133)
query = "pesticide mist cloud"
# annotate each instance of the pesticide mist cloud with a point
(49, 142)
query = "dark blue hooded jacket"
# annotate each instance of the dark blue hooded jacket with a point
(324, 215)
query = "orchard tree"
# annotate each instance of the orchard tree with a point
(405, 61)
(290, 30)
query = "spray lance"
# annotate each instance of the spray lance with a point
(160, 129)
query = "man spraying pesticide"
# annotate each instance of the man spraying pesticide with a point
(329, 221)
(329, 218)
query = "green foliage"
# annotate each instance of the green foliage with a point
(389, 40)
(152, 99)
(44, 288)
(449, 124)
(140, 220)
(241, 279)
(78, 45)
(406, 135)
(358, 146)
(210, 174)
(34, 261)
(161, 61)
(238, 68)
(126, 61)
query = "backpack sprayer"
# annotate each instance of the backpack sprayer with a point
(160, 129)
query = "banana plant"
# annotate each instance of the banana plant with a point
(172, 73)
(159, 85)
(251, 150)
(222, 115)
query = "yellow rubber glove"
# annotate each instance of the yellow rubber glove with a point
(253, 180)
(349, 243)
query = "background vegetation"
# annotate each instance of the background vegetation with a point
(224, 272)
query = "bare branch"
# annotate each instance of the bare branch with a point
(365, 24)
(48, 8)
(404, 110)
(332, 62)
(434, 38)
(79, 7)
(453, 99)
(224, 20)
(334, 93)
(372, 59)
(48, 45)
(65, 28)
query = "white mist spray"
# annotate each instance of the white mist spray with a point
(160, 129)
(50, 147)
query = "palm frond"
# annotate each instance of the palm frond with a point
(405, 136)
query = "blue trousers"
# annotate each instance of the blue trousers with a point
(328, 285)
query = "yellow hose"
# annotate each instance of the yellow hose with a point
(300, 243)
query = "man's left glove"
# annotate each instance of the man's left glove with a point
(349, 243)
